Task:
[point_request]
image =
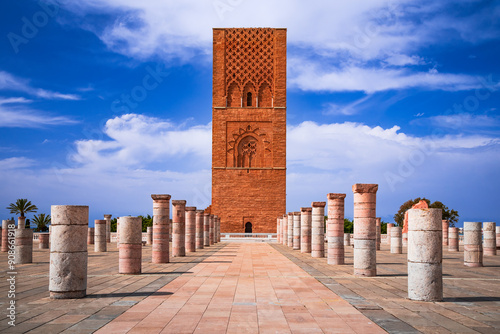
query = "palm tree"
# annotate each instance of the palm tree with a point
(21, 207)
(41, 221)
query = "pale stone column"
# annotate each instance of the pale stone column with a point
(149, 235)
(278, 229)
(497, 233)
(490, 244)
(396, 240)
(90, 236)
(289, 241)
(100, 235)
(117, 232)
(378, 226)
(21, 223)
(473, 244)
(453, 245)
(388, 240)
(296, 230)
(365, 235)
(206, 229)
(5, 235)
(446, 226)
(211, 230)
(405, 239)
(43, 240)
(199, 229)
(190, 241)
(130, 249)
(425, 255)
(179, 228)
(23, 246)
(284, 238)
(318, 229)
(347, 239)
(305, 230)
(160, 252)
(68, 251)
(335, 228)
(107, 218)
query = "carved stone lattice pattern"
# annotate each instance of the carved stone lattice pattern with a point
(249, 148)
(250, 57)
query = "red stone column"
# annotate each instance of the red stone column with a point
(130, 249)
(490, 244)
(446, 225)
(179, 228)
(190, 241)
(347, 239)
(5, 235)
(43, 240)
(318, 229)
(160, 252)
(473, 244)
(206, 229)
(335, 228)
(497, 230)
(305, 230)
(90, 236)
(296, 230)
(378, 224)
(100, 236)
(218, 229)
(388, 241)
(216, 222)
(289, 240)
(365, 236)
(284, 238)
(199, 229)
(453, 245)
(278, 227)
(107, 218)
(211, 234)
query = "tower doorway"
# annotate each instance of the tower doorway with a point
(248, 227)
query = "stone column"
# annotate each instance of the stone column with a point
(216, 221)
(284, 238)
(446, 225)
(68, 251)
(497, 228)
(305, 230)
(90, 236)
(396, 240)
(278, 228)
(149, 235)
(206, 229)
(388, 240)
(365, 236)
(190, 242)
(21, 223)
(43, 240)
(23, 246)
(100, 235)
(117, 232)
(347, 239)
(179, 228)
(5, 235)
(289, 241)
(473, 244)
(199, 229)
(453, 239)
(107, 218)
(405, 239)
(218, 229)
(318, 229)
(130, 250)
(335, 228)
(160, 252)
(211, 230)
(296, 230)
(425, 255)
(378, 226)
(490, 243)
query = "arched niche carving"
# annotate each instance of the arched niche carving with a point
(249, 148)
(265, 98)
(234, 95)
(249, 96)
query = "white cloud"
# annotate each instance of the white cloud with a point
(21, 117)
(16, 163)
(461, 121)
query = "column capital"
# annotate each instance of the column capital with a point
(318, 204)
(164, 197)
(178, 202)
(107, 216)
(306, 209)
(365, 188)
(335, 196)
(190, 208)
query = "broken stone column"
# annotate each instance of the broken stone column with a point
(396, 240)
(216, 221)
(497, 233)
(68, 251)
(100, 235)
(296, 230)
(23, 246)
(284, 239)
(90, 236)
(490, 244)
(365, 236)
(289, 241)
(218, 229)
(206, 229)
(199, 229)
(335, 228)
(5, 235)
(149, 235)
(473, 244)
(318, 229)
(107, 218)
(305, 230)
(453, 244)
(160, 252)
(378, 226)
(425, 255)
(43, 240)
(190, 229)
(388, 240)
(179, 228)
(446, 225)
(347, 239)
(21, 223)
(211, 230)
(130, 249)
(278, 228)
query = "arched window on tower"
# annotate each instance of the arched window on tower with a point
(247, 152)
(249, 95)
(249, 99)
(265, 99)
(233, 98)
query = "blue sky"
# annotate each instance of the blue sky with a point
(103, 103)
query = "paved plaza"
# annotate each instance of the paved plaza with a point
(253, 288)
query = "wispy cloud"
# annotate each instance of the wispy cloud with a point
(16, 163)
(19, 116)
